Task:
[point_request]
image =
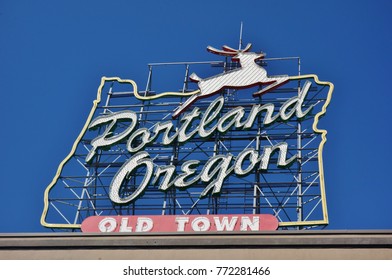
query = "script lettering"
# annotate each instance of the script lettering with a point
(216, 169)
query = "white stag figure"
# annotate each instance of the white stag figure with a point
(248, 75)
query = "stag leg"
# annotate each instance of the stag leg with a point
(194, 78)
(278, 82)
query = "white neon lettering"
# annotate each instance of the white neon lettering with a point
(103, 140)
(253, 225)
(181, 221)
(209, 117)
(187, 121)
(217, 168)
(282, 161)
(201, 224)
(253, 158)
(224, 224)
(168, 170)
(256, 109)
(107, 225)
(188, 171)
(124, 226)
(123, 172)
(144, 133)
(233, 117)
(214, 172)
(144, 224)
(167, 127)
(220, 167)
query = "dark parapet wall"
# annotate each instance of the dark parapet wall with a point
(288, 245)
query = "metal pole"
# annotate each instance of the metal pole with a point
(299, 147)
(185, 86)
(240, 43)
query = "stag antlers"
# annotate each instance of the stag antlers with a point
(227, 51)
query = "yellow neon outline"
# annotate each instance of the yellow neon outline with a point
(135, 91)
(169, 93)
(68, 157)
(323, 133)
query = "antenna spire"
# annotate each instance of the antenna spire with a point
(240, 43)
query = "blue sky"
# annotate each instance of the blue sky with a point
(53, 55)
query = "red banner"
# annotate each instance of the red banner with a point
(181, 223)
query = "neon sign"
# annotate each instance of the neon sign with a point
(185, 148)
